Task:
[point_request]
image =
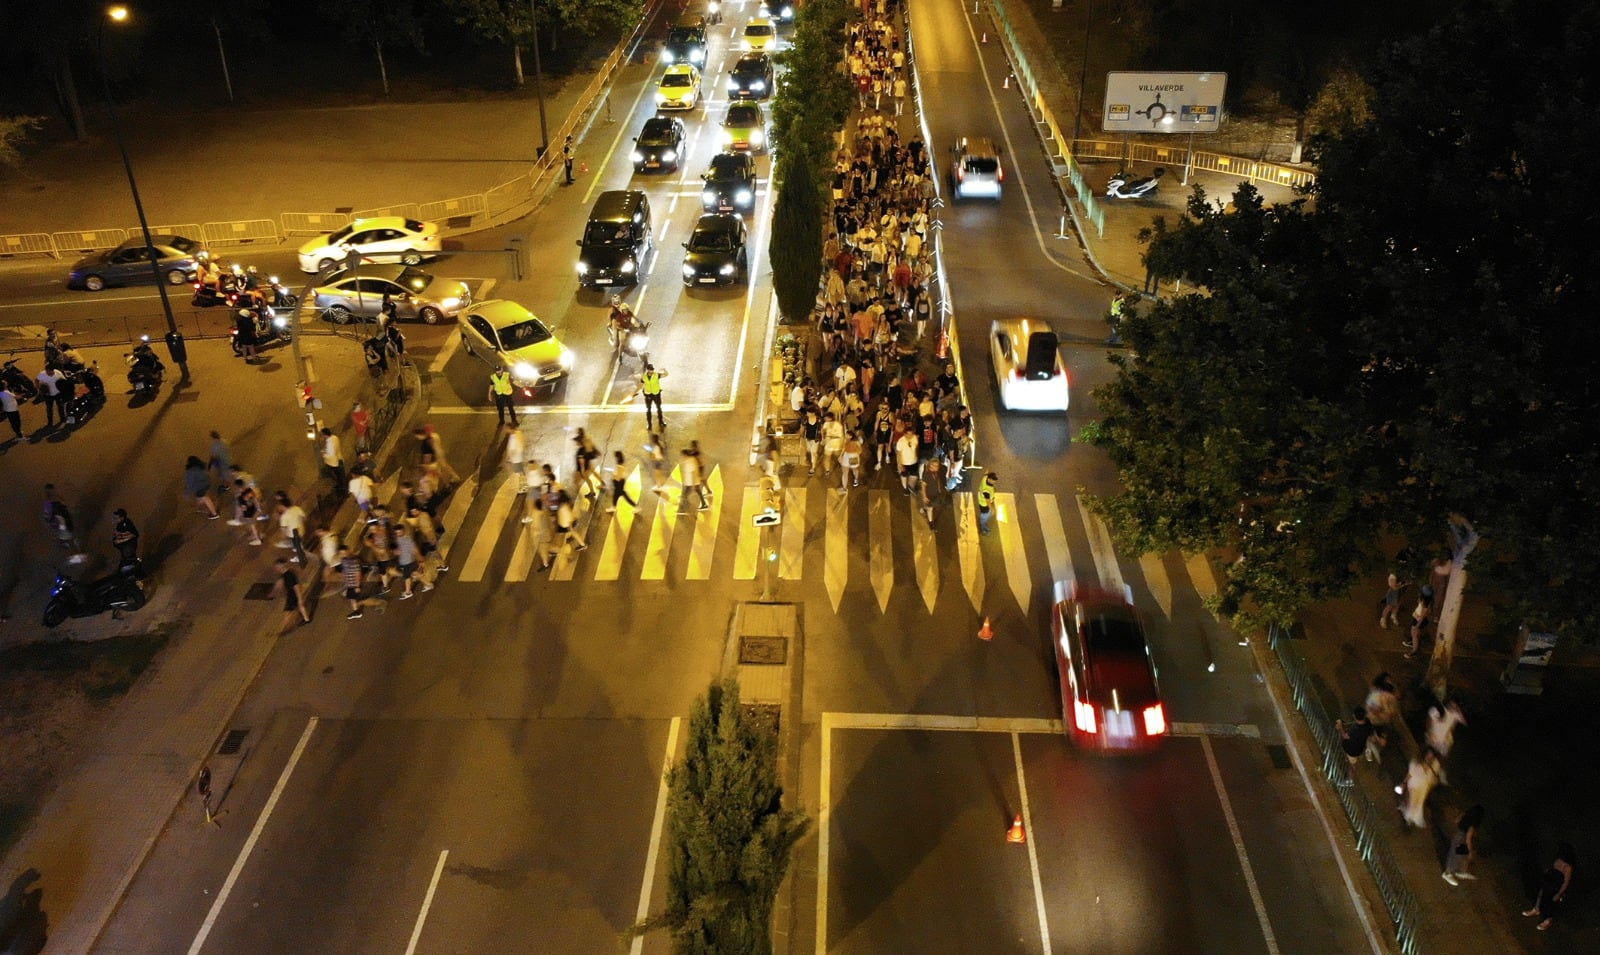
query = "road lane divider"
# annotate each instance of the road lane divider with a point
(427, 903)
(657, 824)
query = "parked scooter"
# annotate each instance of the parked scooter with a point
(145, 370)
(1123, 186)
(87, 393)
(115, 593)
(17, 380)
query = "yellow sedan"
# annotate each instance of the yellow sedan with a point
(679, 89)
(760, 35)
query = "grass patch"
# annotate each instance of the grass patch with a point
(101, 670)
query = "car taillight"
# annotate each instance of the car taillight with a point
(961, 174)
(1002, 176)
(1155, 720)
(1017, 375)
(1083, 716)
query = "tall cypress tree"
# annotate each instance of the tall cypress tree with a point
(728, 835)
(796, 248)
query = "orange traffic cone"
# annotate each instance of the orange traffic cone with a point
(985, 632)
(985, 38)
(1015, 833)
(583, 166)
(1007, 84)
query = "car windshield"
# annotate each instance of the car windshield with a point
(341, 235)
(523, 334)
(605, 233)
(983, 165)
(656, 130)
(414, 279)
(676, 80)
(1115, 653)
(743, 115)
(759, 29)
(749, 68)
(681, 35)
(711, 240)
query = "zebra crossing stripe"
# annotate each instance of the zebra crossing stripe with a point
(661, 528)
(968, 548)
(836, 546)
(1105, 556)
(791, 550)
(745, 554)
(924, 556)
(1157, 582)
(880, 546)
(609, 566)
(456, 512)
(1203, 576)
(528, 543)
(1055, 538)
(1008, 522)
(702, 549)
(488, 534)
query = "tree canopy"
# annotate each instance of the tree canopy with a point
(1412, 340)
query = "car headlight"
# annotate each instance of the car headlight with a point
(743, 196)
(638, 156)
(583, 267)
(669, 156)
(727, 269)
(449, 304)
(757, 137)
(688, 271)
(667, 56)
(628, 267)
(708, 196)
(733, 82)
(758, 85)
(524, 371)
(567, 359)
(727, 136)
(698, 56)
(787, 12)
(745, 44)
(660, 97)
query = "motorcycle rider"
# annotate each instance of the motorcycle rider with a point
(621, 323)
(144, 368)
(125, 537)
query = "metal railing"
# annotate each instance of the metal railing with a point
(1366, 821)
(109, 330)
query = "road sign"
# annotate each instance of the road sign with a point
(1163, 102)
(770, 517)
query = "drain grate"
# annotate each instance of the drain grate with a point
(764, 650)
(1279, 754)
(232, 742)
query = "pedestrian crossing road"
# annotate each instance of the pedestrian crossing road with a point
(871, 537)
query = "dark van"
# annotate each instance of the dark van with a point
(616, 240)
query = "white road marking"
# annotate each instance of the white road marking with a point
(969, 548)
(1032, 844)
(880, 547)
(427, 903)
(703, 546)
(96, 299)
(656, 824)
(1238, 847)
(1055, 539)
(1157, 582)
(696, 408)
(744, 555)
(792, 546)
(1006, 724)
(1008, 523)
(255, 836)
(455, 512)
(1106, 567)
(836, 544)
(824, 814)
(489, 532)
(622, 130)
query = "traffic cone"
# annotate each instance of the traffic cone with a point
(985, 38)
(1015, 833)
(943, 350)
(1007, 84)
(985, 632)
(583, 166)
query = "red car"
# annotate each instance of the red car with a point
(1109, 697)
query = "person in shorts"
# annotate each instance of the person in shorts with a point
(407, 554)
(294, 596)
(350, 577)
(378, 542)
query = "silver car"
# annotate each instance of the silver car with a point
(346, 294)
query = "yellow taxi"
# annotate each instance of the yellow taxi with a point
(680, 88)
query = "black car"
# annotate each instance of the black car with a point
(129, 263)
(686, 41)
(751, 77)
(658, 145)
(730, 184)
(715, 251)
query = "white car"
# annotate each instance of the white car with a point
(1027, 365)
(383, 239)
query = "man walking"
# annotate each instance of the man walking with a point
(333, 459)
(500, 390)
(350, 576)
(694, 476)
(50, 394)
(567, 153)
(650, 387)
(294, 596)
(516, 455)
(13, 414)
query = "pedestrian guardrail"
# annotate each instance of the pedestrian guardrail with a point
(189, 230)
(406, 210)
(240, 232)
(90, 241)
(27, 243)
(1366, 822)
(472, 206)
(312, 223)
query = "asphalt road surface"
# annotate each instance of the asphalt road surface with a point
(478, 769)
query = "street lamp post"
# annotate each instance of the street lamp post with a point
(1083, 75)
(538, 79)
(175, 344)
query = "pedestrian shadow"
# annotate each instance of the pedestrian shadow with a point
(24, 926)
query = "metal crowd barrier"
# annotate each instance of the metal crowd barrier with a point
(1366, 822)
(312, 223)
(90, 241)
(240, 232)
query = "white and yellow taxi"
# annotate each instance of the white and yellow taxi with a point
(680, 88)
(760, 36)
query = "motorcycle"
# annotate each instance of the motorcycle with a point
(714, 11)
(68, 598)
(635, 341)
(18, 381)
(281, 296)
(86, 391)
(145, 370)
(269, 327)
(1122, 185)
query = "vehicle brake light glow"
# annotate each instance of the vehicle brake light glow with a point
(1083, 716)
(1155, 720)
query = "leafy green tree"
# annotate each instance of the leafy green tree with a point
(1413, 349)
(815, 97)
(587, 18)
(378, 24)
(796, 245)
(728, 835)
(499, 21)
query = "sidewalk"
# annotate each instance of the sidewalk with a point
(1526, 759)
(133, 765)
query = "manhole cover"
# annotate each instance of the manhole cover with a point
(764, 650)
(261, 591)
(232, 742)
